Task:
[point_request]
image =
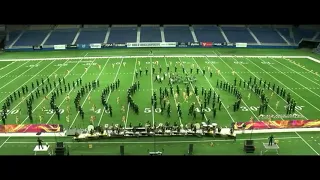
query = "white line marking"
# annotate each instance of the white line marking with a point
(160, 142)
(307, 143)
(175, 101)
(127, 114)
(152, 108)
(13, 70)
(107, 99)
(21, 75)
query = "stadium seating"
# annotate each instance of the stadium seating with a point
(122, 35)
(65, 34)
(12, 37)
(32, 37)
(266, 35)
(303, 33)
(238, 34)
(150, 34)
(208, 33)
(61, 36)
(91, 35)
(285, 32)
(178, 34)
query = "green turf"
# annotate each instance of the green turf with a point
(299, 81)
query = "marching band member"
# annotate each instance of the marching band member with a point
(40, 119)
(89, 99)
(67, 118)
(218, 71)
(123, 109)
(68, 98)
(93, 108)
(118, 100)
(124, 64)
(17, 120)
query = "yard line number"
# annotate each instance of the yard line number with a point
(33, 65)
(256, 108)
(158, 110)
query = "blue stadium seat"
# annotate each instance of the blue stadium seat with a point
(31, 38)
(88, 36)
(238, 34)
(123, 35)
(267, 35)
(12, 37)
(61, 36)
(150, 34)
(303, 33)
(286, 34)
(178, 34)
(208, 34)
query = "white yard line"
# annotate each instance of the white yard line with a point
(74, 120)
(128, 107)
(152, 108)
(27, 96)
(107, 99)
(213, 88)
(253, 73)
(293, 80)
(174, 98)
(284, 85)
(68, 94)
(295, 72)
(27, 81)
(159, 142)
(307, 143)
(52, 88)
(277, 113)
(13, 70)
(194, 91)
(7, 65)
(22, 74)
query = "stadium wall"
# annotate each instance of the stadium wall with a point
(149, 45)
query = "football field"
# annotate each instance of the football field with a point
(298, 76)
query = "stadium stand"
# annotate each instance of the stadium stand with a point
(150, 33)
(285, 32)
(267, 35)
(48, 35)
(210, 33)
(177, 33)
(31, 38)
(61, 36)
(300, 34)
(122, 34)
(92, 35)
(238, 34)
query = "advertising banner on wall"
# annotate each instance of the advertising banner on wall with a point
(72, 46)
(36, 47)
(194, 44)
(95, 46)
(151, 44)
(206, 44)
(83, 46)
(58, 47)
(241, 44)
(182, 44)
